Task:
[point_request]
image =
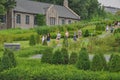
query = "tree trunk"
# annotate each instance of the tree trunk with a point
(9, 19)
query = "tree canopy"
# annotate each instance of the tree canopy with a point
(6, 5)
(85, 8)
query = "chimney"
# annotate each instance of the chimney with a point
(65, 3)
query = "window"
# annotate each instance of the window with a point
(35, 20)
(69, 21)
(27, 19)
(3, 18)
(52, 21)
(18, 19)
(63, 21)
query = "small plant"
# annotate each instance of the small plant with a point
(98, 63)
(57, 57)
(86, 34)
(8, 60)
(65, 56)
(73, 58)
(65, 43)
(83, 60)
(47, 56)
(114, 63)
(32, 40)
(38, 39)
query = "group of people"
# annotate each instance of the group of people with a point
(58, 36)
(109, 28)
(112, 26)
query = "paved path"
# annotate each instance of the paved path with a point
(39, 56)
(107, 57)
(105, 35)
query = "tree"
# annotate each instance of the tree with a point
(40, 19)
(83, 60)
(85, 8)
(32, 40)
(98, 63)
(2, 7)
(9, 5)
(73, 58)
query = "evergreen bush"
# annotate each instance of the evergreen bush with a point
(65, 56)
(114, 63)
(47, 56)
(32, 40)
(57, 57)
(73, 58)
(83, 60)
(86, 34)
(8, 59)
(98, 62)
(65, 43)
(38, 39)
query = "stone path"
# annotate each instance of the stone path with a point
(39, 56)
(105, 34)
(107, 57)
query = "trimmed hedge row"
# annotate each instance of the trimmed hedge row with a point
(48, 72)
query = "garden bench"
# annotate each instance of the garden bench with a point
(13, 46)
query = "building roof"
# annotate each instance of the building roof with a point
(40, 7)
(110, 3)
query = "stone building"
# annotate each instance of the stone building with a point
(111, 6)
(25, 11)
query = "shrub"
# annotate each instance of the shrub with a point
(38, 39)
(32, 41)
(65, 56)
(73, 58)
(98, 63)
(57, 57)
(114, 63)
(83, 60)
(47, 55)
(86, 34)
(40, 20)
(65, 43)
(8, 59)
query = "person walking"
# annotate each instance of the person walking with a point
(75, 36)
(58, 37)
(48, 38)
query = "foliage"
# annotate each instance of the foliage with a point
(65, 43)
(47, 55)
(57, 57)
(30, 51)
(86, 34)
(73, 58)
(83, 60)
(98, 62)
(65, 56)
(38, 40)
(8, 60)
(114, 63)
(85, 8)
(40, 19)
(32, 40)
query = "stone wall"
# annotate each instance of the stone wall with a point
(23, 24)
(51, 12)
